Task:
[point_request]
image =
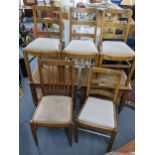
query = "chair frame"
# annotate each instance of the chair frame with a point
(35, 54)
(84, 22)
(67, 125)
(98, 128)
(129, 60)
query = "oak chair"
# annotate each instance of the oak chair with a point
(43, 45)
(56, 105)
(114, 50)
(80, 46)
(98, 113)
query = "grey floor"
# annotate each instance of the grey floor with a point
(55, 141)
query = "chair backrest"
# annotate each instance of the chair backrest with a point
(60, 77)
(47, 15)
(115, 24)
(97, 85)
(89, 18)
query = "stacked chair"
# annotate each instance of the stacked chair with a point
(43, 45)
(58, 71)
(114, 50)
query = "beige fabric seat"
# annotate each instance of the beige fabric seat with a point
(43, 45)
(53, 109)
(116, 48)
(81, 47)
(98, 112)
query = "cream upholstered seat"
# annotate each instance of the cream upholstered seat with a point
(81, 47)
(44, 45)
(116, 48)
(53, 109)
(98, 112)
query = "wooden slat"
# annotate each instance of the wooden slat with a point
(46, 8)
(48, 20)
(78, 22)
(116, 11)
(100, 92)
(82, 35)
(114, 25)
(83, 10)
(48, 33)
(113, 36)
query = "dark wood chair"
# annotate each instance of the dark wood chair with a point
(56, 105)
(98, 113)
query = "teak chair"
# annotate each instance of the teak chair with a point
(56, 106)
(115, 27)
(43, 46)
(79, 48)
(98, 115)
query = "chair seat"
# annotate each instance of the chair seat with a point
(53, 109)
(43, 45)
(83, 47)
(98, 112)
(117, 49)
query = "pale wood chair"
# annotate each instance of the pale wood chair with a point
(47, 43)
(98, 114)
(80, 48)
(56, 105)
(115, 26)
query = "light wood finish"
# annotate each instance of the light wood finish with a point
(58, 86)
(74, 21)
(101, 88)
(54, 16)
(123, 62)
(109, 23)
(30, 55)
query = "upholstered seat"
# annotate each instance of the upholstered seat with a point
(98, 112)
(53, 109)
(81, 47)
(43, 45)
(116, 48)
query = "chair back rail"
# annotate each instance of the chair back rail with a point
(58, 84)
(115, 24)
(47, 15)
(84, 22)
(102, 87)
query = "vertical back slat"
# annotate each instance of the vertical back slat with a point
(57, 82)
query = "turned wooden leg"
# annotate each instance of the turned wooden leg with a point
(34, 133)
(111, 141)
(70, 135)
(76, 132)
(123, 98)
(34, 94)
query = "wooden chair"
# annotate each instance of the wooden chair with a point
(115, 27)
(43, 45)
(80, 48)
(98, 114)
(56, 106)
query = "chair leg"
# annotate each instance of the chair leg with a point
(34, 133)
(70, 134)
(123, 98)
(34, 95)
(76, 132)
(111, 141)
